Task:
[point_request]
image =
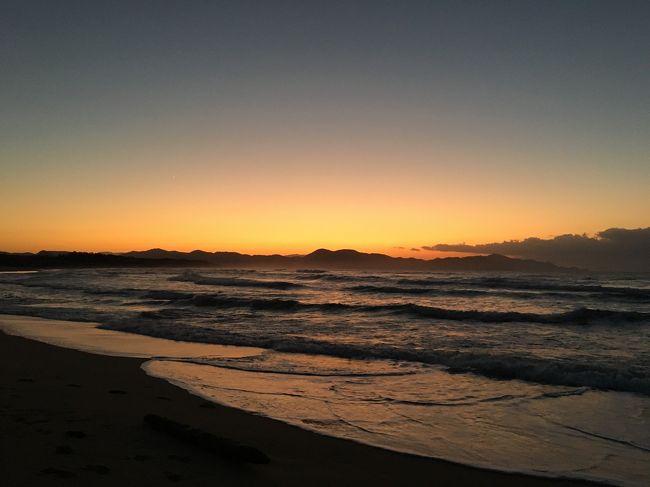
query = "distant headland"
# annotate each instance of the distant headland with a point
(345, 259)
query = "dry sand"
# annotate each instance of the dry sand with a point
(73, 418)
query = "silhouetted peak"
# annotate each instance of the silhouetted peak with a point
(335, 255)
(348, 252)
(495, 257)
(319, 252)
(340, 252)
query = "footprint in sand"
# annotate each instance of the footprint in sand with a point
(58, 472)
(99, 469)
(64, 450)
(179, 458)
(75, 434)
(174, 477)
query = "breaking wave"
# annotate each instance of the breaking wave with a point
(572, 373)
(535, 285)
(168, 323)
(577, 316)
(234, 282)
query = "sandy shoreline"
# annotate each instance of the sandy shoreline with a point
(74, 418)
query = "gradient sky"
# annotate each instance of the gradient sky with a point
(277, 126)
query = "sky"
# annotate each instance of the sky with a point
(277, 126)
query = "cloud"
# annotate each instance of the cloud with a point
(414, 249)
(612, 249)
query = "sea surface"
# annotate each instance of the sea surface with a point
(548, 374)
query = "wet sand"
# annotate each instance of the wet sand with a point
(74, 418)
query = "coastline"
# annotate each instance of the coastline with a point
(51, 394)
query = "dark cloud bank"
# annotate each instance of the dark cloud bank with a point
(612, 249)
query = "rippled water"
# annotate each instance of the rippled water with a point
(543, 373)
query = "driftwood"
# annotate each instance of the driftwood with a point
(223, 447)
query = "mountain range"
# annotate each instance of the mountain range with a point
(345, 259)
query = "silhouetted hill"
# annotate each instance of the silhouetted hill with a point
(319, 259)
(49, 260)
(494, 262)
(354, 260)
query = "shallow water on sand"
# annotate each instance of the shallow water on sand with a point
(545, 374)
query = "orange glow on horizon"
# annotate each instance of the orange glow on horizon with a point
(292, 197)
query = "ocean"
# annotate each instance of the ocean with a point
(547, 374)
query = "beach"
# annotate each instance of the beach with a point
(72, 418)
(322, 243)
